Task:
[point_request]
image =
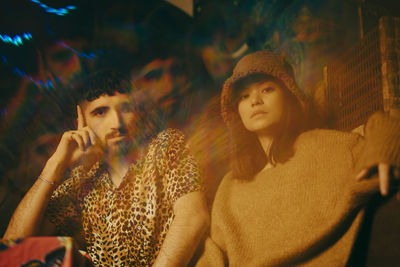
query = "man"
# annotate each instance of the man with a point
(136, 205)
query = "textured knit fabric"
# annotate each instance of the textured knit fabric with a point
(126, 226)
(306, 211)
(263, 62)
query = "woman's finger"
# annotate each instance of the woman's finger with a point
(383, 171)
(396, 172)
(362, 174)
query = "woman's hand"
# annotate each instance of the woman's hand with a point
(386, 172)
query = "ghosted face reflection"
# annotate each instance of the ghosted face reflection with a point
(163, 82)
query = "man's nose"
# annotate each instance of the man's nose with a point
(116, 121)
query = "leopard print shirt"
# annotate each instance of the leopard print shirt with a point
(126, 226)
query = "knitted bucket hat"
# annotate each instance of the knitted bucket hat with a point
(260, 62)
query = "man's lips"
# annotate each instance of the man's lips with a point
(116, 138)
(260, 112)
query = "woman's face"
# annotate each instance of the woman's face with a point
(261, 106)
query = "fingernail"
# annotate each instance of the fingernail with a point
(384, 191)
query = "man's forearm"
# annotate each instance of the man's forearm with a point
(190, 223)
(27, 218)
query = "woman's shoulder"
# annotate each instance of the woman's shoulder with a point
(327, 141)
(327, 135)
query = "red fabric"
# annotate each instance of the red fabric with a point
(40, 250)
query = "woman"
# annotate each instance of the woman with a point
(292, 196)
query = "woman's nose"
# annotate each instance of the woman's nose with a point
(256, 99)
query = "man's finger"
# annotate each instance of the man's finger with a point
(92, 136)
(81, 119)
(85, 137)
(78, 139)
(383, 171)
(362, 174)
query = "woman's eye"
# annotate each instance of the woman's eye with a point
(267, 90)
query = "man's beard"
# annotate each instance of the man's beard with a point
(125, 147)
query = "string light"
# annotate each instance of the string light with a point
(17, 40)
(90, 55)
(58, 11)
(39, 83)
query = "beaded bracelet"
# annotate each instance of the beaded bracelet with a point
(48, 182)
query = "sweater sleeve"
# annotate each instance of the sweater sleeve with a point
(381, 143)
(212, 255)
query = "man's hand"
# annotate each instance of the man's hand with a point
(74, 146)
(385, 172)
(77, 146)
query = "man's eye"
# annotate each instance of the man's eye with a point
(153, 74)
(99, 112)
(242, 97)
(126, 108)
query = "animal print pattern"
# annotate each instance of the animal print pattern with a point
(126, 225)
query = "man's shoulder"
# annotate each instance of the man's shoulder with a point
(170, 134)
(168, 139)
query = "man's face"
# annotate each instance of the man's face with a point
(112, 119)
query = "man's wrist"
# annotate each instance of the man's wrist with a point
(53, 171)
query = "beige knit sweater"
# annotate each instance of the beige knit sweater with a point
(306, 211)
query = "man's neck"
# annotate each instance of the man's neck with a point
(117, 168)
(118, 165)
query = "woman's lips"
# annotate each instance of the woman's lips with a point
(257, 113)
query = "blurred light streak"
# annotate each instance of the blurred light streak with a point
(38, 82)
(90, 55)
(58, 11)
(17, 40)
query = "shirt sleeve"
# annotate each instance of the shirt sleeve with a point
(63, 208)
(381, 143)
(178, 167)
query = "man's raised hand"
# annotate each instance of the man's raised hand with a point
(78, 146)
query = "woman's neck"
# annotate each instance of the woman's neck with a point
(266, 142)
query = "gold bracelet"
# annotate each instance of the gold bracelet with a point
(48, 182)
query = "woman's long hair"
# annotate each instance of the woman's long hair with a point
(247, 155)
